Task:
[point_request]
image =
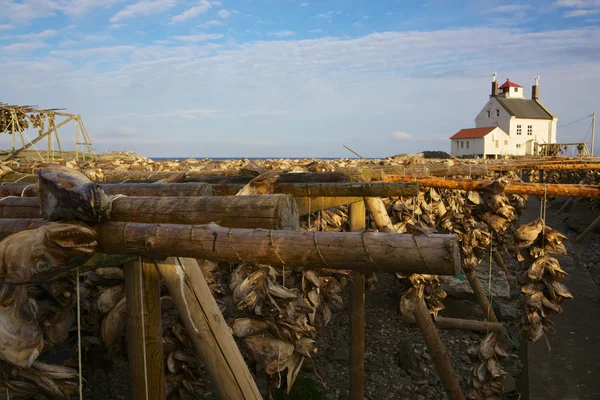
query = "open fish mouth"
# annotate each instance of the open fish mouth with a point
(73, 237)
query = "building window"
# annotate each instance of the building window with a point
(516, 90)
(467, 144)
(488, 113)
(462, 144)
(529, 130)
(518, 129)
(497, 112)
(519, 145)
(506, 142)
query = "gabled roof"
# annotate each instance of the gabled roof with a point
(509, 84)
(472, 133)
(524, 108)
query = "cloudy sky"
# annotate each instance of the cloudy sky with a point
(295, 78)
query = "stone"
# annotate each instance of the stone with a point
(407, 359)
(557, 203)
(505, 311)
(580, 216)
(406, 382)
(509, 384)
(423, 382)
(341, 354)
(461, 289)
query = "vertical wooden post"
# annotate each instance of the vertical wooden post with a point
(49, 144)
(76, 141)
(437, 351)
(209, 332)
(357, 313)
(144, 335)
(484, 303)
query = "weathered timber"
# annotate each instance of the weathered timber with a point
(357, 313)
(587, 230)
(459, 323)
(484, 303)
(144, 333)
(521, 188)
(212, 338)
(545, 167)
(437, 351)
(380, 215)
(436, 254)
(307, 205)
(351, 189)
(277, 211)
(127, 189)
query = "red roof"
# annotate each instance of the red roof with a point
(509, 84)
(472, 133)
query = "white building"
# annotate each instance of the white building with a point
(526, 121)
(490, 141)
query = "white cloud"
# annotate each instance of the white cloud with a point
(48, 33)
(342, 88)
(199, 37)
(509, 8)
(5, 27)
(223, 14)
(399, 135)
(581, 13)
(329, 15)
(210, 23)
(146, 7)
(577, 3)
(303, 4)
(315, 30)
(200, 8)
(22, 47)
(283, 34)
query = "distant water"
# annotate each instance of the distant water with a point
(250, 158)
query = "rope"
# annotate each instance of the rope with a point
(79, 336)
(9, 197)
(26, 187)
(319, 250)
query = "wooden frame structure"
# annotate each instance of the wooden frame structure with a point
(48, 129)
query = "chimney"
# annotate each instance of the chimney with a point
(494, 87)
(535, 89)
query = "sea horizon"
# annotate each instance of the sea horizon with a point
(257, 158)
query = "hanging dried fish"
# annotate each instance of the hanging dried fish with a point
(486, 379)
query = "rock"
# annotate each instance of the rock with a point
(580, 216)
(557, 203)
(461, 289)
(505, 311)
(406, 382)
(407, 359)
(341, 354)
(423, 382)
(509, 384)
(416, 375)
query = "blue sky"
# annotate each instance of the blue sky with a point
(289, 78)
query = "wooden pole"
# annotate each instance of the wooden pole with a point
(144, 333)
(521, 188)
(587, 230)
(357, 313)
(459, 323)
(380, 215)
(348, 189)
(484, 303)
(436, 254)
(307, 205)
(277, 211)
(437, 351)
(211, 336)
(189, 189)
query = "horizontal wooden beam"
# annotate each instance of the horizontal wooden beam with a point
(361, 251)
(277, 211)
(521, 188)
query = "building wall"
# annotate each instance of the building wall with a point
(493, 106)
(475, 147)
(542, 132)
(501, 138)
(482, 146)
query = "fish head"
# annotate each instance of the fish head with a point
(37, 255)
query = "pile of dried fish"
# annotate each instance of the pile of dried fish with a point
(279, 313)
(418, 286)
(486, 379)
(541, 282)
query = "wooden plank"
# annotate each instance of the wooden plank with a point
(144, 333)
(357, 313)
(211, 336)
